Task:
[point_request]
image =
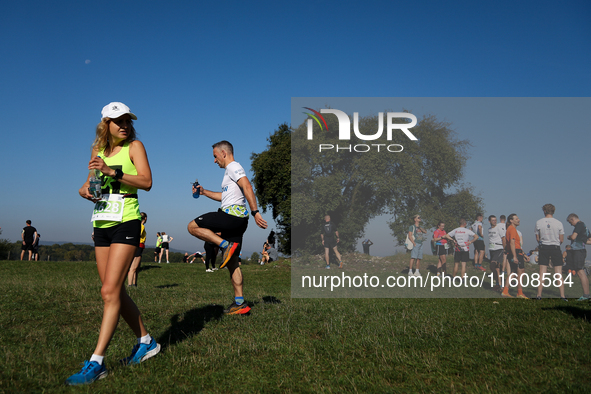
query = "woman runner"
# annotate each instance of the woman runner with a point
(123, 162)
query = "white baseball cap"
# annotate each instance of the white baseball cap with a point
(116, 109)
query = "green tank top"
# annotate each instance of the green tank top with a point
(131, 209)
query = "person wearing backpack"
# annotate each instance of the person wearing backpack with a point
(578, 239)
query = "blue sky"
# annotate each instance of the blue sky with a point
(196, 72)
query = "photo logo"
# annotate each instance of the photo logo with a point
(345, 129)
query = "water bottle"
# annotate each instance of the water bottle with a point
(95, 183)
(196, 194)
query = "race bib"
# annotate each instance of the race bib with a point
(110, 208)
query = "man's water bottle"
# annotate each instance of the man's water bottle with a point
(196, 194)
(95, 184)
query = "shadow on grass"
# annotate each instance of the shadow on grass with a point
(192, 323)
(271, 300)
(147, 267)
(167, 286)
(574, 311)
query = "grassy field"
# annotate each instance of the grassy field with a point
(51, 314)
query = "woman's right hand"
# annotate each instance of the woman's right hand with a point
(85, 193)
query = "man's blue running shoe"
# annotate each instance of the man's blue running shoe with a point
(142, 352)
(90, 372)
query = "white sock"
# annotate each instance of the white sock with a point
(145, 339)
(98, 359)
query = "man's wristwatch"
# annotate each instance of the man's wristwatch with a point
(253, 213)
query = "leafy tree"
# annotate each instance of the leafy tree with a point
(254, 258)
(272, 182)
(5, 246)
(353, 187)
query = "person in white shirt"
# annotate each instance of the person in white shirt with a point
(496, 244)
(463, 237)
(549, 234)
(231, 220)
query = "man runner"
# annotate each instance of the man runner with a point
(549, 234)
(578, 240)
(496, 239)
(231, 220)
(463, 236)
(479, 243)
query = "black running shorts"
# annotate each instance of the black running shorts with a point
(231, 227)
(123, 233)
(550, 253)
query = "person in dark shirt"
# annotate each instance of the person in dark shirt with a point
(330, 239)
(29, 235)
(578, 240)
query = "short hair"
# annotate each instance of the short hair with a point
(549, 209)
(572, 215)
(415, 216)
(439, 223)
(463, 221)
(479, 215)
(490, 217)
(28, 222)
(503, 217)
(224, 145)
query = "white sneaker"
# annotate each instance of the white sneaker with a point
(417, 273)
(168, 262)
(215, 269)
(410, 273)
(209, 270)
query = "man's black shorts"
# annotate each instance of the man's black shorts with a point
(479, 244)
(579, 256)
(157, 250)
(123, 233)
(231, 227)
(549, 253)
(27, 246)
(462, 256)
(329, 243)
(496, 255)
(520, 260)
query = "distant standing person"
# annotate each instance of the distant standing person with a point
(578, 240)
(515, 256)
(441, 246)
(464, 237)
(366, 244)
(124, 167)
(549, 235)
(36, 248)
(231, 220)
(330, 238)
(29, 235)
(211, 253)
(496, 246)
(479, 243)
(166, 240)
(416, 234)
(137, 257)
(158, 247)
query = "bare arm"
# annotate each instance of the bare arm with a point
(216, 196)
(252, 201)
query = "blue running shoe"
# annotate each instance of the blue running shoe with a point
(142, 352)
(90, 372)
